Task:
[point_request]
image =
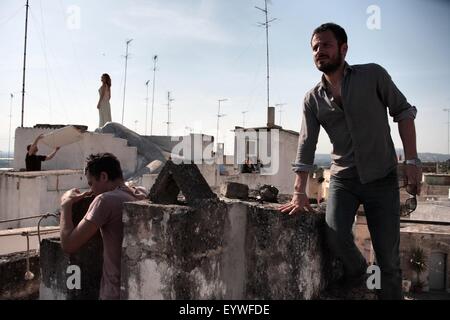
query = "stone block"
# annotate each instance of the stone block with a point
(234, 190)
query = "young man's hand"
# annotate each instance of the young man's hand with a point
(413, 176)
(299, 203)
(72, 196)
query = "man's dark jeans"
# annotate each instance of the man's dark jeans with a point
(382, 209)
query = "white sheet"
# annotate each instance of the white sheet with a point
(62, 137)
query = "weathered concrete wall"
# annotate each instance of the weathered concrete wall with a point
(221, 250)
(434, 179)
(13, 285)
(36, 192)
(55, 273)
(54, 265)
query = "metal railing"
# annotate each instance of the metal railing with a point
(28, 274)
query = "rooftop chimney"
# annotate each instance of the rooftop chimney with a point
(271, 117)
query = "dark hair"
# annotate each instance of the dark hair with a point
(28, 147)
(108, 79)
(103, 162)
(338, 31)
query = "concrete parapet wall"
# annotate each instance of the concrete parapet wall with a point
(221, 250)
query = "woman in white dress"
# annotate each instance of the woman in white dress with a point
(103, 106)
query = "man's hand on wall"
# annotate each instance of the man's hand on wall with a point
(299, 203)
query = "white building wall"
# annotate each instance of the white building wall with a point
(24, 194)
(73, 156)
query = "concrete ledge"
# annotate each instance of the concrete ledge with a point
(225, 249)
(13, 285)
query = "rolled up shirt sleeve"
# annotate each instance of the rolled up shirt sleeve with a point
(307, 142)
(399, 108)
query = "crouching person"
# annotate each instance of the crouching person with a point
(104, 176)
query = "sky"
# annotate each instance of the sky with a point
(210, 50)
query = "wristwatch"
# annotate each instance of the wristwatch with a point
(414, 162)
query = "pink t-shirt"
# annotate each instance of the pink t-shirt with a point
(106, 213)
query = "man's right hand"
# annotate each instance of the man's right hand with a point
(299, 203)
(72, 196)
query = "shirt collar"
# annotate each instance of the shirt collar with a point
(323, 81)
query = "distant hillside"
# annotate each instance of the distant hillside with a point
(324, 160)
(427, 156)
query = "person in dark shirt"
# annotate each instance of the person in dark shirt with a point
(247, 167)
(32, 160)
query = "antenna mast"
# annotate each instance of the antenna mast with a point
(24, 62)
(125, 82)
(155, 60)
(169, 100)
(266, 25)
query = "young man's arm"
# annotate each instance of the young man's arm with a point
(73, 238)
(34, 145)
(308, 137)
(413, 173)
(404, 114)
(51, 155)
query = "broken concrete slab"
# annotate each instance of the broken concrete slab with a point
(174, 178)
(234, 190)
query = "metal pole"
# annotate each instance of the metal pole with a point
(24, 62)
(169, 100)
(448, 130)
(266, 24)
(267, 50)
(125, 81)
(155, 60)
(146, 108)
(218, 118)
(243, 118)
(9, 138)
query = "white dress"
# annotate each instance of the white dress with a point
(104, 107)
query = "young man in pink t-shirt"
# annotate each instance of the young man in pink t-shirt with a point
(105, 178)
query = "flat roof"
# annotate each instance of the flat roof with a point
(35, 174)
(424, 228)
